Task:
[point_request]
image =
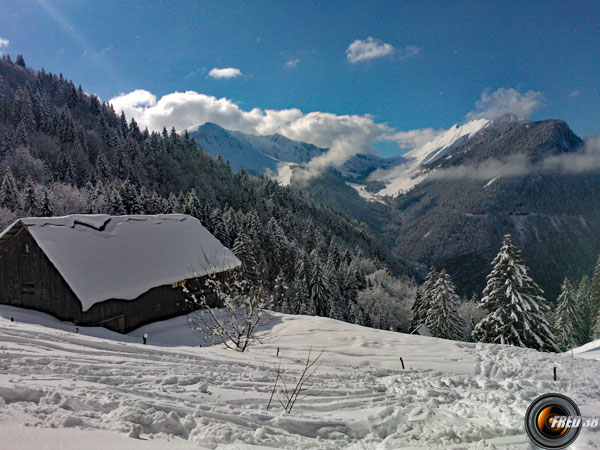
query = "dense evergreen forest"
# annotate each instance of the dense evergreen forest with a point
(63, 151)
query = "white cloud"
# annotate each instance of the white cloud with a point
(4, 42)
(408, 51)
(227, 72)
(413, 138)
(345, 135)
(492, 105)
(575, 93)
(585, 160)
(368, 49)
(292, 63)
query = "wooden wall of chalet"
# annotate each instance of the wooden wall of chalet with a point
(28, 279)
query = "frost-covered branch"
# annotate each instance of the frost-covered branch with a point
(232, 309)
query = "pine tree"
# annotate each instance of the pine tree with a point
(566, 317)
(242, 248)
(417, 310)
(193, 207)
(337, 308)
(423, 299)
(30, 199)
(9, 194)
(319, 288)
(217, 227)
(302, 303)
(596, 330)
(65, 171)
(102, 167)
(518, 312)
(586, 320)
(594, 309)
(115, 203)
(442, 316)
(280, 292)
(230, 224)
(45, 209)
(130, 198)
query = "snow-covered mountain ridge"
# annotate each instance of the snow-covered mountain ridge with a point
(257, 154)
(405, 176)
(277, 155)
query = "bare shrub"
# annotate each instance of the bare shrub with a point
(287, 397)
(232, 309)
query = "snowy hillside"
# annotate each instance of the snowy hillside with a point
(591, 350)
(404, 177)
(218, 141)
(91, 390)
(280, 147)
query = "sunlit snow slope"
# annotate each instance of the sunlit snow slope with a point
(405, 176)
(59, 389)
(591, 350)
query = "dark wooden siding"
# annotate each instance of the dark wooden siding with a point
(28, 279)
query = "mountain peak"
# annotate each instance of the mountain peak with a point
(209, 126)
(509, 136)
(280, 138)
(508, 117)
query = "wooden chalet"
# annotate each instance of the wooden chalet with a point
(119, 272)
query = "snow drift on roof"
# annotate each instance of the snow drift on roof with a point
(103, 257)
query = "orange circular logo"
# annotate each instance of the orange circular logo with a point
(553, 421)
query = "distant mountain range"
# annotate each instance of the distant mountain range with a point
(255, 154)
(457, 222)
(264, 154)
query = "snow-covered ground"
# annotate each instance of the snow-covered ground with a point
(362, 191)
(590, 350)
(89, 390)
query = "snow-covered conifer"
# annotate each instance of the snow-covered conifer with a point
(9, 194)
(45, 209)
(423, 298)
(586, 321)
(242, 248)
(596, 329)
(566, 317)
(595, 294)
(193, 207)
(115, 202)
(442, 315)
(30, 198)
(319, 285)
(518, 312)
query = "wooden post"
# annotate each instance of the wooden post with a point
(277, 351)
(402, 361)
(554, 373)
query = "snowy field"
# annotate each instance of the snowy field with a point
(61, 390)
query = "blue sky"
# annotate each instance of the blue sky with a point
(430, 62)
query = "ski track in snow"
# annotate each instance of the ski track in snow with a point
(95, 390)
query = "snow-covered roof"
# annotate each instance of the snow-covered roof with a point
(422, 330)
(103, 257)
